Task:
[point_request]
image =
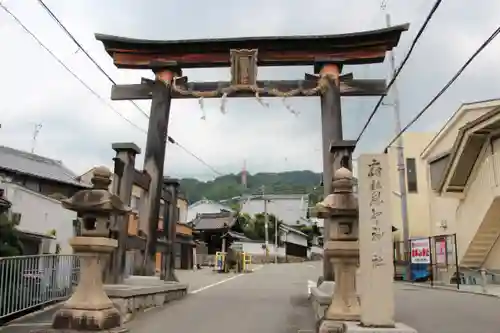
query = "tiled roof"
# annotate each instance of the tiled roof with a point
(213, 221)
(22, 162)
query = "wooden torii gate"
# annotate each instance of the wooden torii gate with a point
(327, 53)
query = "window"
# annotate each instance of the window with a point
(411, 175)
(178, 216)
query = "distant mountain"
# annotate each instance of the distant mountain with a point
(229, 186)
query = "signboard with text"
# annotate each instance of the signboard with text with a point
(441, 251)
(420, 251)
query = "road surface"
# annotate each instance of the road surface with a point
(274, 299)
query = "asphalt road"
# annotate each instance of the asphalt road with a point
(444, 311)
(272, 299)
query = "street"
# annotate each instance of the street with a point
(274, 299)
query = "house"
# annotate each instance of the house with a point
(45, 225)
(416, 183)
(463, 169)
(37, 173)
(290, 208)
(34, 184)
(184, 235)
(294, 242)
(205, 207)
(211, 228)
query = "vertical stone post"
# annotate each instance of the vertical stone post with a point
(172, 185)
(342, 246)
(167, 197)
(331, 130)
(376, 251)
(122, 187)
(154, 161)
(89, 308)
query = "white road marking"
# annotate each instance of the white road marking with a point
(215, 284)
(257, 268)
(310, 284)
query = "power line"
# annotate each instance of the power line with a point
(18, 21)
(403, 63)
(447, 85)
(103, 100)
(80, 47)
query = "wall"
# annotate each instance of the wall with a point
(289, 210)
(294, 238)
(443, 209)
(256, 249)
(417, 202)
(40, 214)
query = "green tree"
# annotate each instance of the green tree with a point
(256, 227)
(10, 244)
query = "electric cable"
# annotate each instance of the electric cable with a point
(399, 69)
(447, 85)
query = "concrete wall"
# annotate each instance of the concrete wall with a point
(40, 214)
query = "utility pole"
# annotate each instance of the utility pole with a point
(38, 127)
(275, 240)
(266, 220)
(400, 163)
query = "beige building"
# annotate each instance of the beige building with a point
(452, 179)
(464, 175)
(416, 185)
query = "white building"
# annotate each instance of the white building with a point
(290, 208)
(205, 207)
(43, 217)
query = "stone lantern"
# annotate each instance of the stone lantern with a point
(341, 245)
(89, 308)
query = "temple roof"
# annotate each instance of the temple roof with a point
(349, 48)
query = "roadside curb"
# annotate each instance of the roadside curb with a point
(33, 314)
(449, 289)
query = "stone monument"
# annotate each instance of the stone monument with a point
(89, 308)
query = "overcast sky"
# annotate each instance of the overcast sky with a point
(78, 128)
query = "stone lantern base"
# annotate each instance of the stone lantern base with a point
(89, 309)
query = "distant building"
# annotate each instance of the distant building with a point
(205, 207)
(290, 208)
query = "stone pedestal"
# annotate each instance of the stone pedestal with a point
(329, 326)
(89, 308)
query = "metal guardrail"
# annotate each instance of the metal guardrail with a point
(31, 281)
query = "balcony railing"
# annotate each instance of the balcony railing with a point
(28, 282)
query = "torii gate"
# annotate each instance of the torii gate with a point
(167, 59)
